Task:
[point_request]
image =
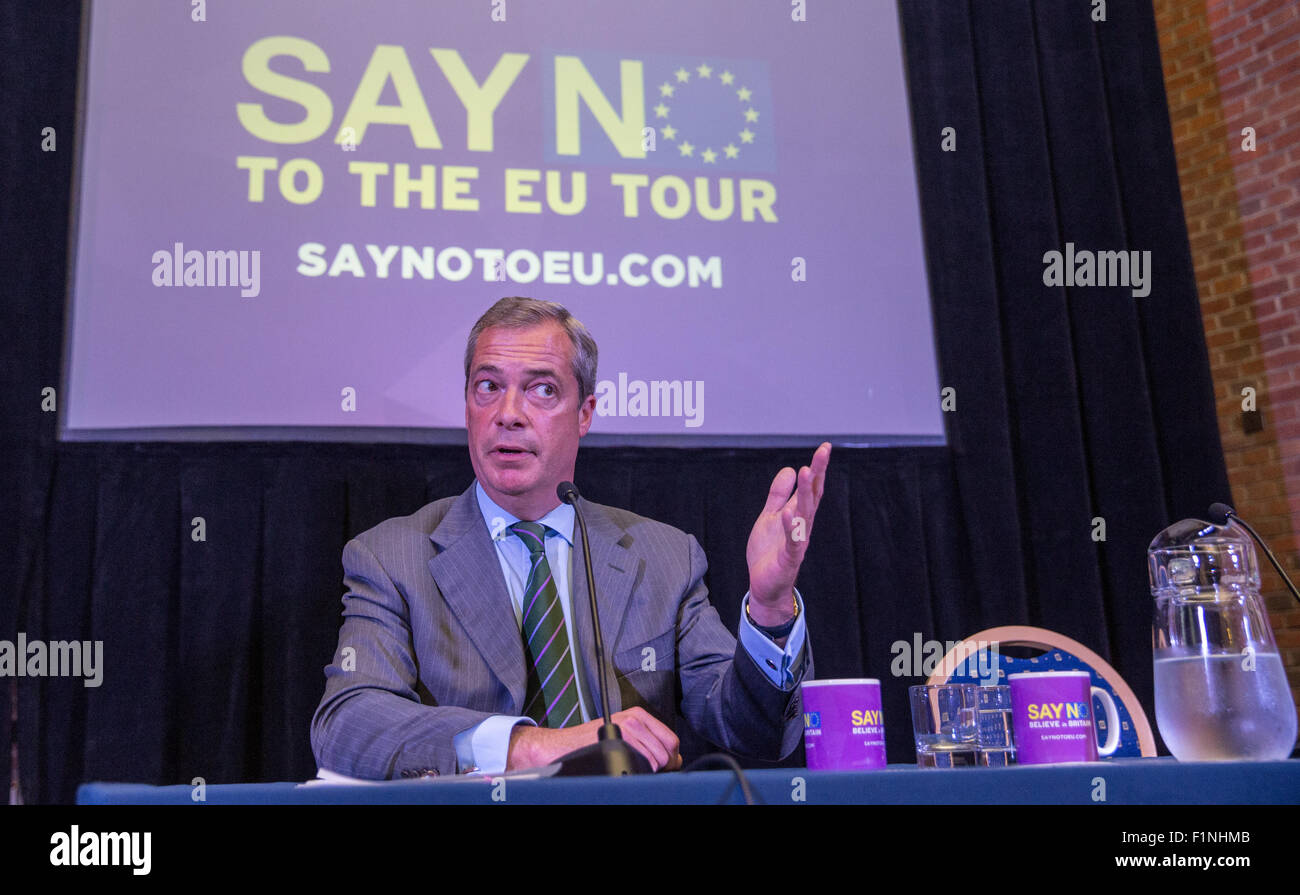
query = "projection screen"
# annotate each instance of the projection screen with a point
(289, 214)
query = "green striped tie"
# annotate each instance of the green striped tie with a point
(552, 686)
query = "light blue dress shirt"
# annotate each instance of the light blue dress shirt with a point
(485, 746)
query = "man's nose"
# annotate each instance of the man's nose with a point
(511, 410)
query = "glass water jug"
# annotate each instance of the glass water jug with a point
(1221, 692)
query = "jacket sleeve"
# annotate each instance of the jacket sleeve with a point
(725, 696)
(372, 721)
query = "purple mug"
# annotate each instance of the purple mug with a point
(843, 728)
(1052, 716)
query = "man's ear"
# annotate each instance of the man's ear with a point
(586, 413)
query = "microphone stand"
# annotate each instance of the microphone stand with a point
(1225, 512)
(610, 755)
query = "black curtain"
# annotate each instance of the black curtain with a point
(1071, 405)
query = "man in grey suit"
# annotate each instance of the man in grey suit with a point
(466, 642)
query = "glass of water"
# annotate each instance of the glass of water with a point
(994, 735)
(944, 725)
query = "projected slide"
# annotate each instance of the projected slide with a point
(289, 215)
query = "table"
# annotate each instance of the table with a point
(1150, 781)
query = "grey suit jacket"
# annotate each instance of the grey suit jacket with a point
(429, 645)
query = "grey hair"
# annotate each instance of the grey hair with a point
(516, 312)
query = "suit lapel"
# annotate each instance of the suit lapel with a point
(468, 575)
(614, 567)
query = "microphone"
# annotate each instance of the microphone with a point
(568, 492)
(609, 755)
(1220, 513)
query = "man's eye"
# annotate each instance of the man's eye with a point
(546, 389)
(486, 385)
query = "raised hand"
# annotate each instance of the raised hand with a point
(780, 537)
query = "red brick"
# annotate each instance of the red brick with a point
(1285, 358)
(1276, 323)
(1284, 34)
(1287, 394)
(1284, 412)
(1230, 59)
(1267, 290)
(1249, 35)
(1233, 319)
(1263, 257)
(1284, 231)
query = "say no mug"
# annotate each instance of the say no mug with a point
(843, 728)
(1053, 720)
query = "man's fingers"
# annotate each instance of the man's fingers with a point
(663, 736)
(650, 736)
(647, 745)
(801, 505)
(812, 484)
(821, 460)
(779, 493)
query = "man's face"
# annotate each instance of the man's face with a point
(523, 416)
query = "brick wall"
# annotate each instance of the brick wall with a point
(1230, 65)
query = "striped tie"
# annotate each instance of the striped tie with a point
(552, 689)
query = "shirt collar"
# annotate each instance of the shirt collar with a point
(560, 519)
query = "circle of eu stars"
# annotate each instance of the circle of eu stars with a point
(704, 75)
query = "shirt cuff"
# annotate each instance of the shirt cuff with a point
(783, 667)
(485, 747)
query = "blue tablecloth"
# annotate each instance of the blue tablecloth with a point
(1151, 781)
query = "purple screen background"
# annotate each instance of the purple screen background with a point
(850, 351)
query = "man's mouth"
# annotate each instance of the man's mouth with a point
(511, 451)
